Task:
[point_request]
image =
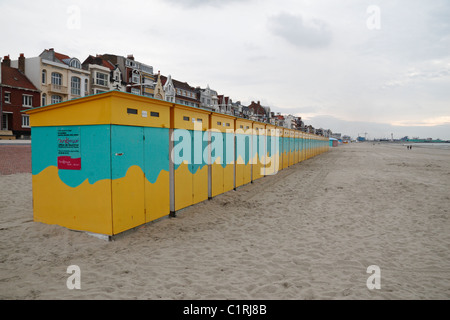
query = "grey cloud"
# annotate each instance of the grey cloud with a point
(314, 33)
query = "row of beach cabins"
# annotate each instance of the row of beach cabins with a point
(111, 162)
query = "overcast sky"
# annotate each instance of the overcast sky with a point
(352, 66)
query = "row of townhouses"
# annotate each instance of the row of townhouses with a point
(54, 77)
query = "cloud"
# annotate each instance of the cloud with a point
(313, 33)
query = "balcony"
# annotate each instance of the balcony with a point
(57, 88)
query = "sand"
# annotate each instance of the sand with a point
(310, 232)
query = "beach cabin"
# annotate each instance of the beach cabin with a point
(222, 177)
(297, 146)
(280, 148)
(243, 150)
(291, 147)
(258, 150)
(189, 132)
(272, 157)
(101, 163)
(286, 147)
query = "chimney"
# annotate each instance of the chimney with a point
(6, 61)
(131, 57)
(22, 63)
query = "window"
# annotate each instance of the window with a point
(44, 76)
(154, 114)
(186, 118)
(219, 123)
(27, 101)
(56, 99)
(7, 97)
(25, 121)
(44, 99)
(74, 63)
(135, 91)
(130, 63)
(75, 86)
(132, 111)
(135, 78)
(85, 86)
(56, 78)
(101, 79)
(199, 119)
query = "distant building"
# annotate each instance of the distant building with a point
(17, 93)
(225, 104)
(138, 76)
(208, 98)
(245, 112)
(278, 120)
(169, 88)
(309, 129)
(159, 88)
(105, 76)
(290, 122)
(319, 131)
(239, 110)
(258, 112)
(336, 136)
(182, 92)
(58, 76)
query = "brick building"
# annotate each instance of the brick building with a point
(17, 93)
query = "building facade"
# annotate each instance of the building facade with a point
(225, 105)
(169, 88)
(139, 77)
(17, 93)
(105, 76)
(208, 98)
(180, 92)
(258, 112)
(58, 76)
(159, 88)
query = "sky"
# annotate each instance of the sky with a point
(369, 68)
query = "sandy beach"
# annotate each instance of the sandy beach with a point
(309, 232)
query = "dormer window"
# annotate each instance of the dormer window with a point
(75, 63)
